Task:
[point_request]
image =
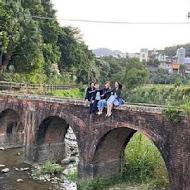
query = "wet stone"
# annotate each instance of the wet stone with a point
(6, 170)
(65, 161)
(19, 180)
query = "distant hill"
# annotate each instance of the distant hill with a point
(171, 51)
(106, 52)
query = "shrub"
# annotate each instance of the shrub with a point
(172, 114)
(48, 167)
(159, 94)
(73, 93)
(143, 161)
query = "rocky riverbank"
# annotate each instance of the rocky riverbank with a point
(15, 174)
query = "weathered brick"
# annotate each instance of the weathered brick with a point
(101, 140)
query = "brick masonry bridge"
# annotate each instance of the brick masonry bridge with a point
(40, 124)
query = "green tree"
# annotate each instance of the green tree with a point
(135, 78)
(75, 55)
(35, 45)
(153, 63)
(11, 16)
(135, 74)
(21, 38)
(104, 70)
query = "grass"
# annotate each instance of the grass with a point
(73, 93)
(98, 184)
(48, 167)
(143, 169)
(72, 176)
(144, 163)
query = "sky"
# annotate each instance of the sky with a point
(127, 38)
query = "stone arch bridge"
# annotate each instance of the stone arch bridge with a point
(40, 124)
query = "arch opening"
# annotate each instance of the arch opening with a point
(56, 141)
(11, 129)
(130, 154)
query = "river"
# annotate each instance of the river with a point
(14, 160)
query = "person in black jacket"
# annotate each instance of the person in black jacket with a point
(115, 98)
(89, 92)
(106, 93)
(95, 97)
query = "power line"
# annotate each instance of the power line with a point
(112, 22)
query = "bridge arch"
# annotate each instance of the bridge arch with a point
(50, 136)
(109, 152)
(11, 129)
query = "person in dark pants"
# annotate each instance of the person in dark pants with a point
(89, 92)
(95, 98)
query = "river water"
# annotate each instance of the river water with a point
(14, 160)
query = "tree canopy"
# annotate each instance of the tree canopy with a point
(33, 45)
(33, 49)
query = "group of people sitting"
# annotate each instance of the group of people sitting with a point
(99, 98)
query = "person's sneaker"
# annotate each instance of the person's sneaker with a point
(99, 113)
(109, 115)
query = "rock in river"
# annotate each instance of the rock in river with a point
(19, 180)
(2, 166)
(65, 161)
(5, 170)
(2, 148)
(65, 172)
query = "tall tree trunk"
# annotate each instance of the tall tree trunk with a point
(1, 57)
(4, 65)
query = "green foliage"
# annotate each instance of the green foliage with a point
(143, 165)
(32, 78)
(144, 162)
(36, 44)
(72, 176)
(129, 71)
(160, 94)
(135, 78)
(98, 184)
(156, 184)
(135, 75)
(75, 56)
(48, 167)
(152, 63)
(11, 17)
(186, 108)
(171, 51)
(74, 93)
(178, 82)
(172, 114)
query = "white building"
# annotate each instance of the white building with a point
(187, 60)
(123, 55)
(133, 55)
(144, 55)
(181, 56)
(162, 58)
(166, 66)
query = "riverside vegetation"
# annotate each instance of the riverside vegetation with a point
(142, 168)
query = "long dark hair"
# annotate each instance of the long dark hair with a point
(120, 85)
